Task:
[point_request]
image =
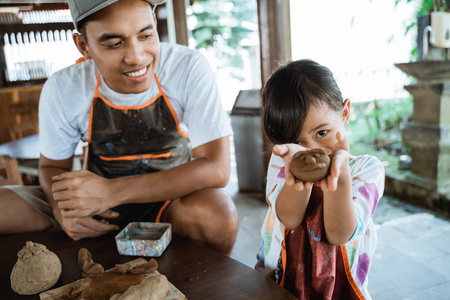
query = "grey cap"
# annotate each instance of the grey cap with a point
(80, 9)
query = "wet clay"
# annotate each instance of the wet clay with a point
(88, 266)
(310, 165)
(103, 285)
(151, 288)
(148, 267)
(37, 269)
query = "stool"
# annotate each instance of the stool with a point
(9, 171)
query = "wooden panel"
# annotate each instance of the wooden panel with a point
(14, 28)
(37, 4)
(9, 171)
(19, 112)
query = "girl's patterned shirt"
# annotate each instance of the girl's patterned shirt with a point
(367, 188)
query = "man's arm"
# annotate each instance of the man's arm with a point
(83, 193)
(75, 228)
(49, 168)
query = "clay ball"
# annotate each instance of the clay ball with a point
(37, 269)
(310, 165)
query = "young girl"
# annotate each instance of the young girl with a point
(318, 238)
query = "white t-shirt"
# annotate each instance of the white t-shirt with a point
(185, 76)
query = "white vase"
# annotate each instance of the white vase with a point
(440, 22)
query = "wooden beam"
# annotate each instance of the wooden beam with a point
(275, 45)
(274, 34)
(36, 4)
(179, 14)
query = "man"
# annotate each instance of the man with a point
(156, 131)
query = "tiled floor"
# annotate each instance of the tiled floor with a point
(412, 260)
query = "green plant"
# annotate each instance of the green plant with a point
(376, 129)
(425, 8)
(379, 124)
(439, 5)
(223, 25)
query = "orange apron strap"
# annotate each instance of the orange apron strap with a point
(161, 210)
(97, 85)
(81, 59)
(91, 111)
(174, 115)
(348, 273)
(284, 256)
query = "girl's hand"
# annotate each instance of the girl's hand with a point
(342, 142)
(286, 151)
(339, 164)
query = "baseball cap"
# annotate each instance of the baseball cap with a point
(80, 9)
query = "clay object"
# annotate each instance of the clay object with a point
(145, 268)
(310, 165)
(37, 269)
(88, 266)
(151, 288)
(102, 287)
(117, 281)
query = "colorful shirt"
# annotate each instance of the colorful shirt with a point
(367, 188)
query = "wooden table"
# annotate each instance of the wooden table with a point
(198, 272)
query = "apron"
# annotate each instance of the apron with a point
(133, 140)
(315, 269)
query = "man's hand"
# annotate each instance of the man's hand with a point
(69, 186)
(82, 194)
(79, 228)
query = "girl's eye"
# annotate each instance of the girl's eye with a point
(322, 133)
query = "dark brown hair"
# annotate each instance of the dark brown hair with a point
(288, 94)
(82, 28)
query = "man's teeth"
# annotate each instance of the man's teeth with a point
(137, 73)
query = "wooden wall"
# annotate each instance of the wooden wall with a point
(19, 111)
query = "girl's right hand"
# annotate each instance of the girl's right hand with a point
(286, 151)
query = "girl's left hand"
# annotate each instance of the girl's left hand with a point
(339, 163)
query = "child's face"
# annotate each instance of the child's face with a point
(321, 128)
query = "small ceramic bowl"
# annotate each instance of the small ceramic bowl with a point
(144, 239)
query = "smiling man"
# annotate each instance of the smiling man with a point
(157, 133)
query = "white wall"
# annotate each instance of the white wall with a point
(359, 40)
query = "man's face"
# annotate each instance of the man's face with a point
(124, 44)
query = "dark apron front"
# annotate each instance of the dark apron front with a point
(316, 269)
(134, 140)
